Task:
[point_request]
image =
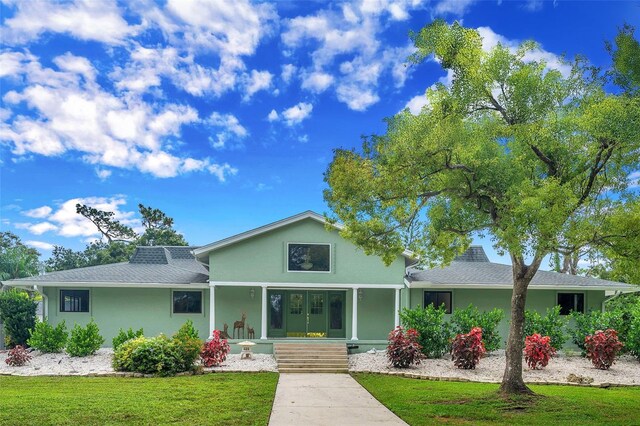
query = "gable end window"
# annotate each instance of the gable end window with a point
(571, 302)
(74, 300)
(308, 257)
(438, 298)
(187, 302)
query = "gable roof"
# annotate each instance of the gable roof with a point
(473, 270)
(149, 266)
(201, 251)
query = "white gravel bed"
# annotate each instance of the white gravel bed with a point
(63, 365)
(626, 370)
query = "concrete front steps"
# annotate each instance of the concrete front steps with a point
(311, 357)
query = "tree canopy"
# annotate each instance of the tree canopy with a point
(536, 159)
(16, 259)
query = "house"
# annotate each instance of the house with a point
(295, 279)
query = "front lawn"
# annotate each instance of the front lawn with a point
(221, 399)
(423, 402)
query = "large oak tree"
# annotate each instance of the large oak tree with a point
(512, 149)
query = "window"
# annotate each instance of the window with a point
(309, 257)
(276, 311)
(571, 302)
(74, 300)
(317, 303)
(295, 303)
(187, 302)
(438, 298)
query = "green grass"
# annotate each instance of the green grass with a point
(422, 402)
(221, 399)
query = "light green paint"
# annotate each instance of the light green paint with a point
(263, 259)
(115, 308)
(488, 299)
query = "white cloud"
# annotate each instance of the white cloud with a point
(258, 80)
(634, 179)
(454, 7)
(230, 129)
(297, 113)
(72, 113)
(39, 245)
(37, 228)
(317, 82)
(533, 5)
(273, 115)
(416, 104)
(103, 174)
(83, 19)
(39, 213)
(288, 72)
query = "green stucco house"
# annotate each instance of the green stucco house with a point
(296, 280)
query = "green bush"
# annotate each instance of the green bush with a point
(123, 336)
(188, 345)
(122, 360)
(463, 320)
(589, 323)
(434, 332)
(48, 339)
(156, 355)
(84, 341)
(633, 337)
(18, 315)
(552, 324)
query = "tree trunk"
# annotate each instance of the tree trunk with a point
(512, 381)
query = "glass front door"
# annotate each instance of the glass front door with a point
(306, 313)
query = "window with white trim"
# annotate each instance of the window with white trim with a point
(437, 299)
(187, 302)
(571, 302)
(74, 300)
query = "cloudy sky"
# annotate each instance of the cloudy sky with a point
(223, 114)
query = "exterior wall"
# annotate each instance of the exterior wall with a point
(375, 314)
(231, 302)
(485, 299)
(115, 308)
(264, 259)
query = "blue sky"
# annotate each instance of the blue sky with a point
(223, 115)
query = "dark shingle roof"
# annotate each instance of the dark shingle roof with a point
(148, 265)
(479, 273)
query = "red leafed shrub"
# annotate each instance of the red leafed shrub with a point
(538, 351)
(602, 348)
(18, 356)
(214, 352)
(404, 349)
(467, 349)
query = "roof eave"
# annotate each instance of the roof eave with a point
(488, 286)
(24, 284)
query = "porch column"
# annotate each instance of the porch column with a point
(354, 315)
(396, 314)
(263, 325)
(212, 309)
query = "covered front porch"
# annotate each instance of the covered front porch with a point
(362, 314)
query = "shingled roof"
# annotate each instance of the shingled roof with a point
(473, 270)
(148, 265)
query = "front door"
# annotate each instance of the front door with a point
(307, 313)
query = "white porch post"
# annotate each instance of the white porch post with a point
(263, 324)
(354, 315)
(212, 309)
(396, 313)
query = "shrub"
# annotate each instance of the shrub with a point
(434, 333)
(214, 352)
(123, 336)
(464, 320)
(48, 339)
(18, 315)
(18, 356)
(122, 360)
(589, 323)
(602, 348)
(404, 349)
(84, 341)
(156, 355)
(188, 345)
(552, 324)
(538, 351)
(633, 337)
(467, 349)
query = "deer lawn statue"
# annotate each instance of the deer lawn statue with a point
(250, 332)
(225, 333)
(239, 325)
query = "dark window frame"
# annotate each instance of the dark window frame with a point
(84, 306)
(288, 254)
(450, 293)
(173, 302)
(576, 303)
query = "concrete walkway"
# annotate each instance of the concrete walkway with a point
(326, 399)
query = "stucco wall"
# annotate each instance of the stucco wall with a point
(263, 259)
(115, 308)
(486, 299)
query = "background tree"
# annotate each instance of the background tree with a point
(158, 229)
(110, 228)
(16, 259)
(513, 150)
